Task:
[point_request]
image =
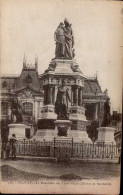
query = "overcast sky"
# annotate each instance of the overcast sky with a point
(28, 27)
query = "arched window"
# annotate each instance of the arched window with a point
(28, 108)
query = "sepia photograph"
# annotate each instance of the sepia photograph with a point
(61, 96)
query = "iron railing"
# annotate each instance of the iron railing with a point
(67, 149)
(33, 148)
(71, 149)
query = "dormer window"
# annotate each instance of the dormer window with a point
(28, 79)
(4, 84)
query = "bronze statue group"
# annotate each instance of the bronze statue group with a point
(64, 41)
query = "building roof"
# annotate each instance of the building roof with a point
(28, 77)
(92, 86)
(8, 82)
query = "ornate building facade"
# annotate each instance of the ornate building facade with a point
(29, 87)
(26, 87)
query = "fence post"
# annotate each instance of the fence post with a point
(24, 146)
(72, 148)
(44, 147)
(82, 149)
(34, 147)
(44, 141)
(93, 150)
(112, 150)
(54, 146)
(103, 151)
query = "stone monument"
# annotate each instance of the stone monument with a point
(105, 132)
(63, 81)
(16, 127)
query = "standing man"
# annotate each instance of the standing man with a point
(13, 145)
(7, 149)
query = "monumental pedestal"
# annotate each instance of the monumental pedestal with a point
(59, 70)
(106, 135)
(18, 129)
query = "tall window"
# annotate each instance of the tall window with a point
(4, 108)
(28, 108)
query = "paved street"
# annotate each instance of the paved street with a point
(33, 170)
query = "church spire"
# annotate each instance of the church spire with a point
(36, 63)
(96, 75)
(24, 61)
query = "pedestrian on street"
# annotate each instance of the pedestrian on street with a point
(4, 150)
(13, 144)
(7, 148)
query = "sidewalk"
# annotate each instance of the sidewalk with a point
(71, 160)
(55, 169)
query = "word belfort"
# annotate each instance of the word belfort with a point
(33, 98)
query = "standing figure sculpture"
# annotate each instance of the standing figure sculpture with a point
(107, 116)
(61, 104)
(64, 41)
(69, 39)
(16, 111)
(60, 40)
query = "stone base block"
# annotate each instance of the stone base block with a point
(63, 139)
(63, 127)
(77, 113)
(106, 135)
(79, 125)
(79, 136)
(49, 124)
(45, 134)
(18, 129)
(49, 134)
(46, 124)
(47, 112)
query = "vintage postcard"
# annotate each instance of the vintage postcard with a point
(61, 99)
